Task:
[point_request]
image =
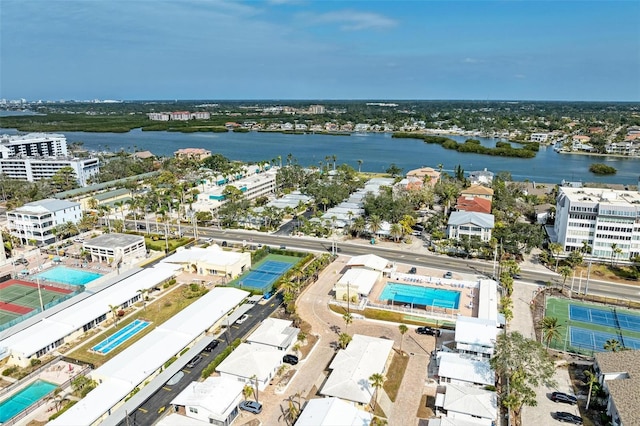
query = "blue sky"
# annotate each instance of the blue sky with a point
(297, 49)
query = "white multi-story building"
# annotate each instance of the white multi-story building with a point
(608, 220)
(38, 156)
(35, 221)
(33, 145)
(539, 137)
(34, 169)
(158, 116)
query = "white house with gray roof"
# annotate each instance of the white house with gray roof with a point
(470, 224)
(35, 221)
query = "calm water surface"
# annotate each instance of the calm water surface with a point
(376, 150)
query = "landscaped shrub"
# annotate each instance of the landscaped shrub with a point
(209, 369)
(10, 370)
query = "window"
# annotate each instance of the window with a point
(193, 410)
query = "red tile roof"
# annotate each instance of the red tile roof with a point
(469, 204)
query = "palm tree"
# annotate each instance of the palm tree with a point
(359, 225)
(614, 247)
(396, 231)
(292, 411)
(343, 340)
(565, 271)
(403, 329)
(550, 329)
(592, 379)
(247, 392)
(114, 312)
(375, 223)
(359, 165)
(556, 249)
(376, 380)
(254, 380)
(612, 345)
(58, 398)
(348, 319)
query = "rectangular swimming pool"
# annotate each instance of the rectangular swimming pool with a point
(70, 276)
(422, 296)
(22, 400)
(119, 337)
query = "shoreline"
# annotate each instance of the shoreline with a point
(595, 154)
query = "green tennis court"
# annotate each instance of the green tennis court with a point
(584, 327)
(21, 297)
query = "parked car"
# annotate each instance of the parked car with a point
(516, 276)
(21, 261)
(448, 274)
(211, 346)
(413, 270)
(251, 406)
(194, 361)
(78, 240)
(563, 416)
(242, 319)
(563, 397)
(283, 247)
(428, 331)
(416, 233)
(290, 359)
(141, 227)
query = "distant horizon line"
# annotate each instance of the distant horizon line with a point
(110, 100)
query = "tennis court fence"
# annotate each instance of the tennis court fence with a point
(36, 311)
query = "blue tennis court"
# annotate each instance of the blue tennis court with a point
(263, 277)
(605, 317)
(595, 340)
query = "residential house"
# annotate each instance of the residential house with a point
(275, 333)
(464, 369)
(478, 191)
(473, 204)
(37, 220)
(470, 224)
(619, 375)
(198, 154)
(481, 177)
(352, 367)
(467, 403)
(332, 412)
(214, 401)
(475, 336)
(251, 364)
(423, 176)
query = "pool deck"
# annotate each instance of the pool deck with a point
(425, 277)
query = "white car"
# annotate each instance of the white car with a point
(242, 319)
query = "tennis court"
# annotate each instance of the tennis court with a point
(262, 276)
(586, 327)
(596, 340)
(19, 297)
(606, 317)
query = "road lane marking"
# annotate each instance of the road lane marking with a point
(143, 410)
(166, 388)
(161, 409)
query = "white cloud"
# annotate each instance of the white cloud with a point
(350, 20)
(520, 76)
(470, 61)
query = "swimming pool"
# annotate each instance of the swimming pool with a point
(22, 400)
(64, 275)
(119, 337)
(425, 296)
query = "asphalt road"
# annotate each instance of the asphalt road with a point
(155, 406)
(466, 266)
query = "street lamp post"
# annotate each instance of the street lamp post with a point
(586, 287)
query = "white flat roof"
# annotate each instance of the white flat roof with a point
(352, 367)
(113, 240)
(360, 280)
(476, 333)
(133, 365)
(251, 360)
(274, 332)
(370, 261)
(488, 300)
(212, 254)
(465, 368)
(215, 394)
(472, 401)
(61, 324)
(332, 412)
